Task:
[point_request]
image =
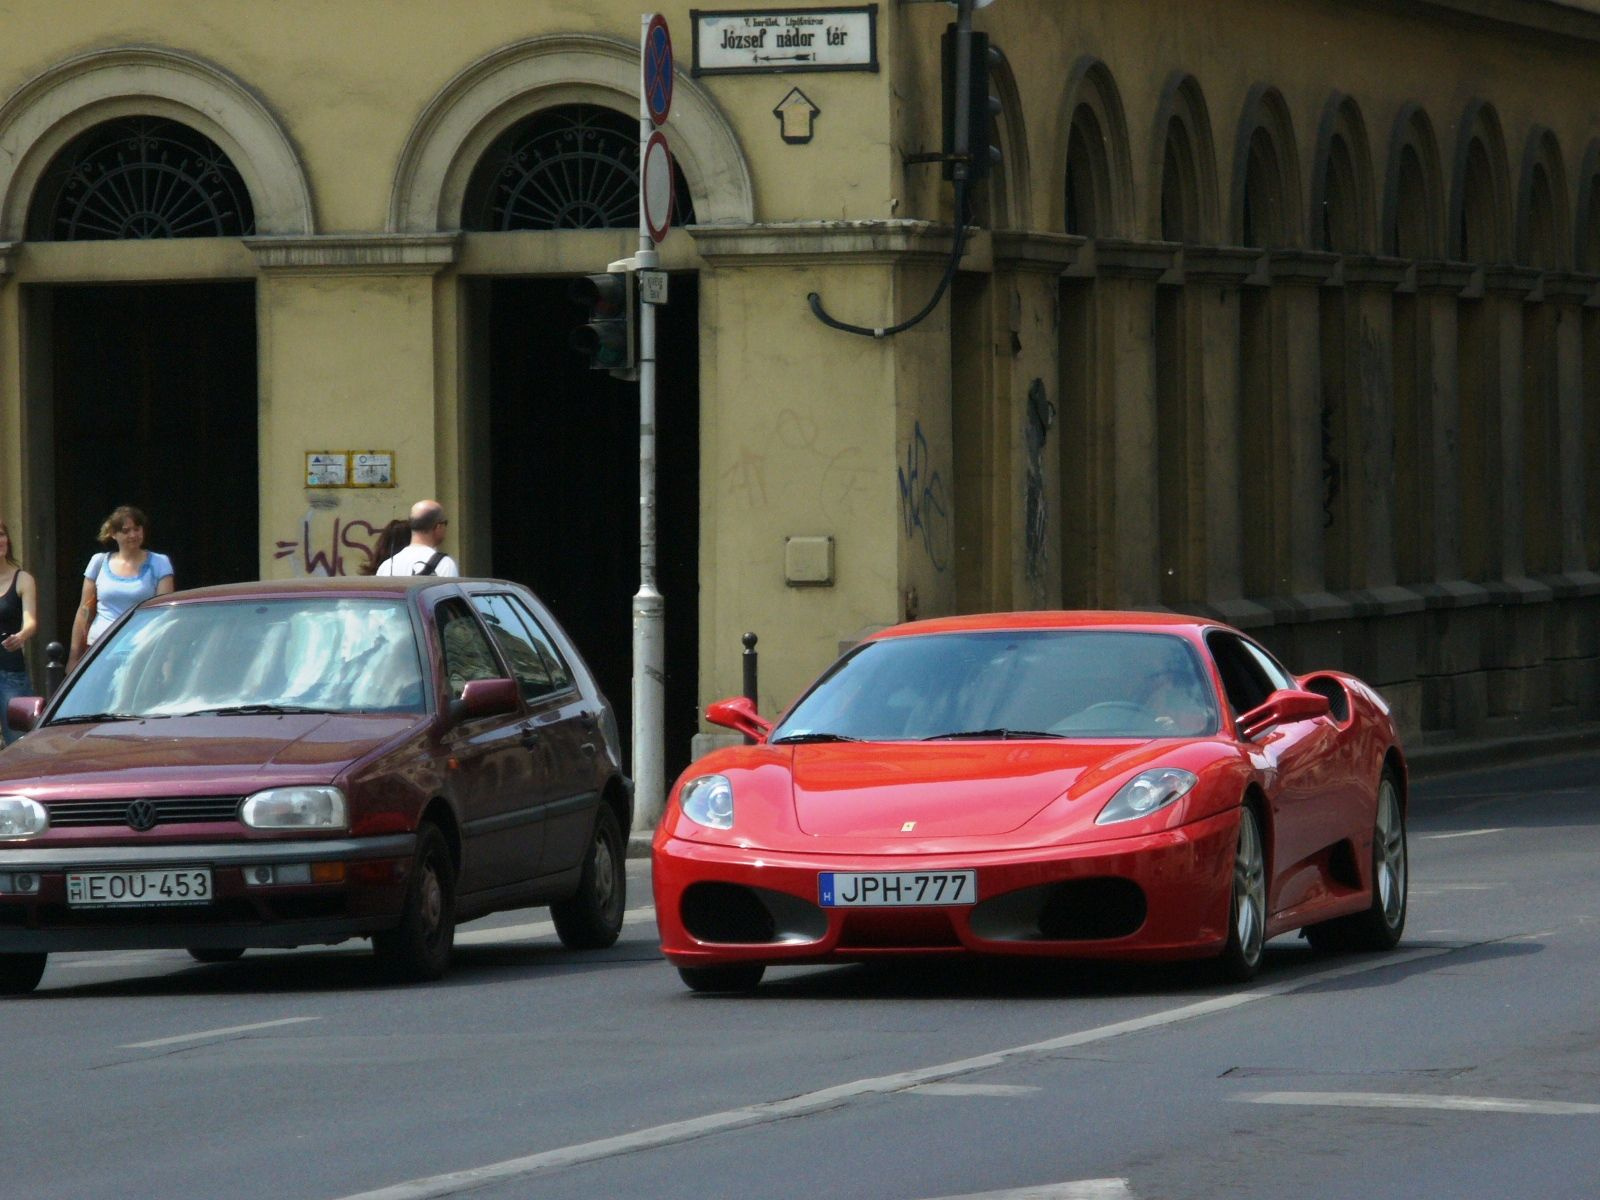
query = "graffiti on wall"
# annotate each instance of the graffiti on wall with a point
(343, 547)
(1041, 416)
(924, 507)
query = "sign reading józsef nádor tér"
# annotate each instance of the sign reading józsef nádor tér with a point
(785, 39)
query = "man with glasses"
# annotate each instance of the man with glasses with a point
(423, 556)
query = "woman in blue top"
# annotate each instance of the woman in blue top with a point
(115, 582)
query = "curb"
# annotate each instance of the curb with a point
(1462, 754)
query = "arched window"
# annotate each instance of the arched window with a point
(1085, 173)
(574, 166)
(140, 177)
(1262, 215)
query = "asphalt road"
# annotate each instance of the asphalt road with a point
(1465, 1064)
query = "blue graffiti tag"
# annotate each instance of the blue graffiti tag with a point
(922, 501)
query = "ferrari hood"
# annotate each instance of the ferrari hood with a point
(936, 789)
(199, 754)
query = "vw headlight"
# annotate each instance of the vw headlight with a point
(708, 801)
(296, 808)
(22, 817)
(1145, 793)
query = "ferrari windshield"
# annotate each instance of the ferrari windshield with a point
(251, 656)
(1009, 684)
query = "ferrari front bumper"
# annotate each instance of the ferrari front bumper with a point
(1146, 897)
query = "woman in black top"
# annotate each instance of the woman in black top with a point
(19, 621)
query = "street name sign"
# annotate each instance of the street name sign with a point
(785, 40)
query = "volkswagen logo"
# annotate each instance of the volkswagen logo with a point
(141, 815)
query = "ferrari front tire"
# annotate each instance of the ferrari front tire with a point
(731, 977)
(1380, 926)
(1247, 911)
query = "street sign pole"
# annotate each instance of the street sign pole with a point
(649, 618)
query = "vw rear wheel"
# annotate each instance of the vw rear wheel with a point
(591, 918)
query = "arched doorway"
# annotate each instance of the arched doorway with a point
(151, 388)
(564, 459)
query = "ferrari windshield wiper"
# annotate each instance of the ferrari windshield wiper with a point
(795, 739)
(255, 710)
(1001, 734)
(95, 718)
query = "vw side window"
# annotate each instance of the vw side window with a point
(527, 664)
(467, 653)
(560, 676)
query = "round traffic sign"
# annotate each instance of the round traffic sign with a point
(658, 69)
(655, 188)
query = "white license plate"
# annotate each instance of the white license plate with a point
(895, 889)
(105, 889)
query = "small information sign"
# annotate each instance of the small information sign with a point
(372, 468)
(785, 40)
(327, 468)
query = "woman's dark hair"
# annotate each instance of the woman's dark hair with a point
(396, 536)
(125, 514)
(11, 546)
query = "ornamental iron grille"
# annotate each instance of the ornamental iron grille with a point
(574, 166)
(142, 177)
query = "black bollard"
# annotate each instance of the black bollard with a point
(749, 641)
(55, 667)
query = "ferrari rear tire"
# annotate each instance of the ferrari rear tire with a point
(1380, 926)
(730, 977)
(20, 973)
(591, 918)
(216, 955)
(1247, 911)
(419, 948)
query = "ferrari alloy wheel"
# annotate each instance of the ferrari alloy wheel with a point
(419, 949)
(1380, 926)
(20, 973)
(1247, 925)
(730, 977)
(591, 918)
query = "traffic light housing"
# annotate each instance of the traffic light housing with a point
(607, 337)
(979, 153)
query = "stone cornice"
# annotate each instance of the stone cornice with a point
(1301, 266)
(1436, 276)
(356, 254)
(1375, 272)
(1124, 259)
(1516, 282)
(1560, 22)
(1053, 253)
(823, 242)
(8, 251)
(1218, 264)
(1569, 287)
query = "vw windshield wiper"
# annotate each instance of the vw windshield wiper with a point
(255, 710)
(95, 718)
(1001, 734)
(795, 739)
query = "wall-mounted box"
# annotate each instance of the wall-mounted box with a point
(808, 561)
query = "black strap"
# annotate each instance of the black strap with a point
(429, 566)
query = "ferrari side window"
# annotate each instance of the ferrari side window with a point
(1243, 676)
(1271, 667)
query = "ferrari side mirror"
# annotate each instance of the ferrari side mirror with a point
(1283, 707)
(738, 713)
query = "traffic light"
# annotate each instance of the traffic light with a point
(607, 338)
(979, 152)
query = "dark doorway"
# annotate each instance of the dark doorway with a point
(565, 487)
(155, 406)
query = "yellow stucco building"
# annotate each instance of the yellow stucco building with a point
(1280, 311)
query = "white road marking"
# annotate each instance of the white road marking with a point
(972, 1089)
(1080, 1189)
(1444, 837)
(534, 929)
(1494, 1104)
(676, 1132)
(214, 1033)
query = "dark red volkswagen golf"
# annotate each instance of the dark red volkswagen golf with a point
(296, 763)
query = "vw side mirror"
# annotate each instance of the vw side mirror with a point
(486, 698)
(22, 712)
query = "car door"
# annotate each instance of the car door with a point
(562, 721)
(493, 766)
(1303, 757)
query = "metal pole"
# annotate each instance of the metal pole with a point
(649, 637)
(55, 668)
(750, 691)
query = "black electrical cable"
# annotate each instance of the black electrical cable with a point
(944, 284)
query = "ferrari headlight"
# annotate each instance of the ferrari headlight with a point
(22, 817)
(296, 808)
(708, 801)
(1147, 792)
